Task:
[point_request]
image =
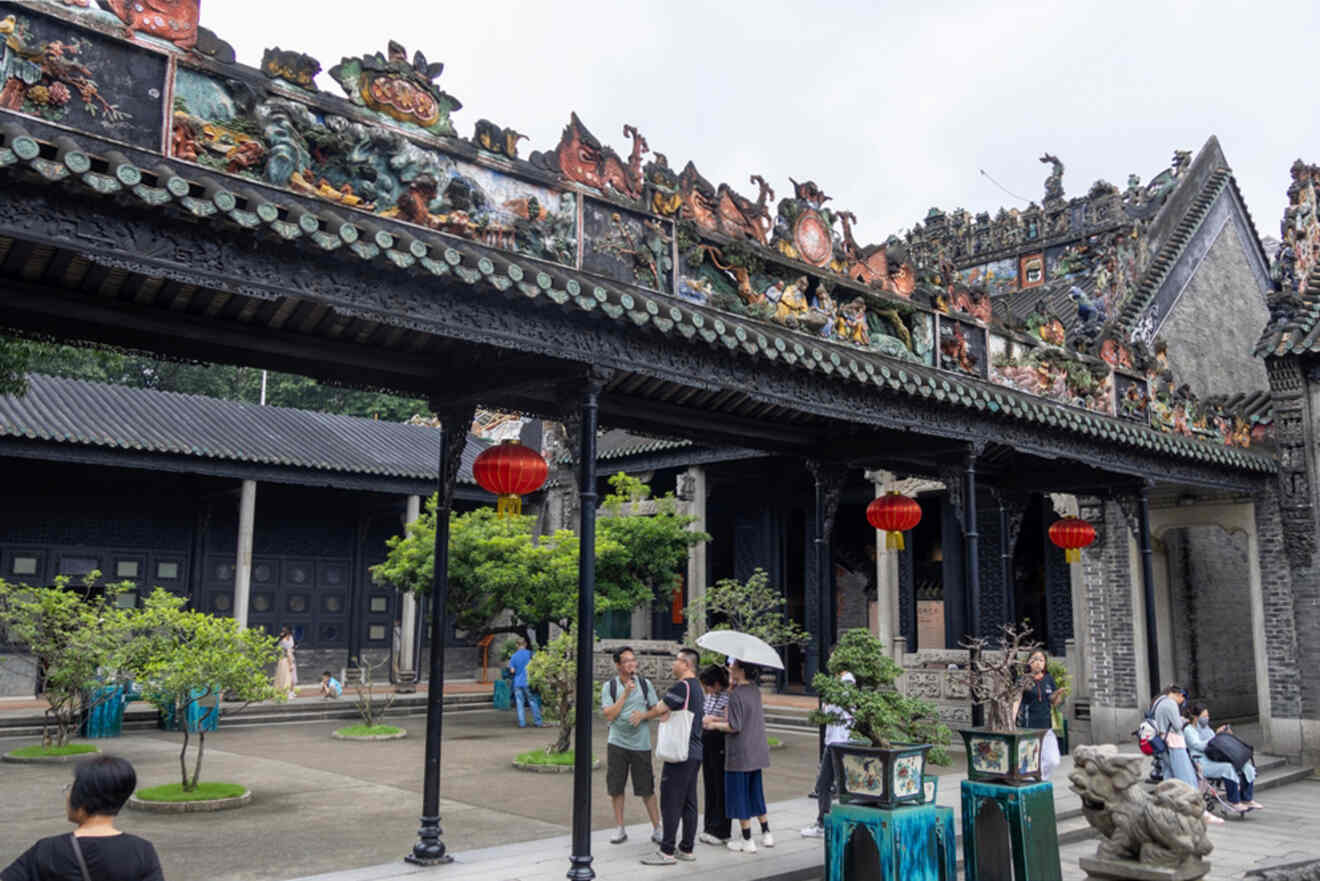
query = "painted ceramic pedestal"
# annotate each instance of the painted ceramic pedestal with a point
(880, 776)
(1003, 756)
(106, 717)
(916, 843)
(1009, 832)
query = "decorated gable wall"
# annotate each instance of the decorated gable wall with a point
(1215, 357)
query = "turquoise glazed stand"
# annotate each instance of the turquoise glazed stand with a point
(916, 843)
(106, 717)
(1009, 832)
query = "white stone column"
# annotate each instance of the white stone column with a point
(408, 611)
(247, 512)
(695, 479)
(886, 572)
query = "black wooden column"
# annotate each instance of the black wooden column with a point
(429, 849)
(357, 590)
(1148, 589)
(580, 859)
(971, 559)
(829, 479)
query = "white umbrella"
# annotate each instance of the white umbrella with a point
(742, 646)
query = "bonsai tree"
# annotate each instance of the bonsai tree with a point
(996, 676)
(552, 673)
(184, 658)
(880, 714)
(71, 634)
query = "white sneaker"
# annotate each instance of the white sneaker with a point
(656, 835)
(620, 836)
(814, 831)
(767, 840)
(742, 845)
(707, 838)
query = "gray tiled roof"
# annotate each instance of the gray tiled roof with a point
(386, 244)
(78, 412)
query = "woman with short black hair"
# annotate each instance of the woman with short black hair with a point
(746, 755)
(95, 849)
(716, 828)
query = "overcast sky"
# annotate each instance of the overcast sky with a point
(890, 107)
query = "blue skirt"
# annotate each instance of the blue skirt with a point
(743, 796)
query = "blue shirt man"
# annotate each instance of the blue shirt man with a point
(522, 695)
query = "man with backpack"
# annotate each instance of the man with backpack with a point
(628, 748)
(1166, 716)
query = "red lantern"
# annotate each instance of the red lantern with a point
(895, 513)
(510, 471)
(1072, 535)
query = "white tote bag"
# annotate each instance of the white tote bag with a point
(675, 734)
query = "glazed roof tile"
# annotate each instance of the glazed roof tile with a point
(82, 413)
(392, 245)
(1294, 325)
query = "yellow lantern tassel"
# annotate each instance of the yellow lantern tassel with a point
(894, 541)
(508, 505)
(1073, 555)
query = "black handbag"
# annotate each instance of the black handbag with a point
(1226, 747)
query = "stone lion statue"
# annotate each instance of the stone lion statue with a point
(1166, 828)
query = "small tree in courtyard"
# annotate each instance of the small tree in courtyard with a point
(186, 658)
(496, 564)
(879, 712)
(369, 707)
(753, 606)
(552, 673)
(71, 634)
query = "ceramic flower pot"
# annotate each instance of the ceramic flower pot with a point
(880, 776)
(1011, 757)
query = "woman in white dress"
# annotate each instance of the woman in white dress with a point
(286, 668)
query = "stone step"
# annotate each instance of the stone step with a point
(140, 717)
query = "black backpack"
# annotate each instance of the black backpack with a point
(1226, 747)
(647, 693)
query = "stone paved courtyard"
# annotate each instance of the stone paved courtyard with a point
(345, 809)
(322, 805)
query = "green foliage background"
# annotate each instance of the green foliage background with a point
(18, 357)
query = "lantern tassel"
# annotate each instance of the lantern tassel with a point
(506, 506)
(1073, 555)
(894, 541)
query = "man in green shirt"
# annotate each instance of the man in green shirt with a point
(628, 749)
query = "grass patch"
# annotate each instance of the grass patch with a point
(367, 730)
(541, 757)
(774, 742)
(38, 751)
(203, 792)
